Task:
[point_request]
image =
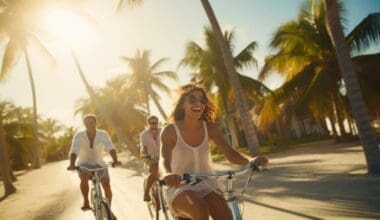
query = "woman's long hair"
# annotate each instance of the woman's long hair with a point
(179, 112)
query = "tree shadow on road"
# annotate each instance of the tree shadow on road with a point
(342, 194)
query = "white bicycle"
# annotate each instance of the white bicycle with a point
(230, 195)
(100, 204)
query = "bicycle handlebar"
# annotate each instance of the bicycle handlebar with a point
(188, 178)
(94, 169)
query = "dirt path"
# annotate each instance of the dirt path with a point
(321, 182)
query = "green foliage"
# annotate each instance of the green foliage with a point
(17, 123)
(210, 71)
(58, 148)
(146, 80)
(124, 105)
(305, 56)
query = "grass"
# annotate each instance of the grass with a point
(267, 149)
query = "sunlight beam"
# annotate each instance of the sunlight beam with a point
(68, 27)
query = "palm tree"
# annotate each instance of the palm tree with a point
(48, 130)
(147, 79)
(64, 142)
(305, 55)
(211, 72)
(121, 106)
(366, 132)
(103, 111)
(19, 137)
(246, 118)
(17, 24)
(9, 188)
(131, 3)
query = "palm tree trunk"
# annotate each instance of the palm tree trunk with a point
(333, 128)
(233, 131)
(35, 148)
(279, 128)
(337, 112)
(159, 107)
(4, 163)
(246, 118)
(366, 132)
(349, 121)
(132, 147)
(322, 124)
(147, 93)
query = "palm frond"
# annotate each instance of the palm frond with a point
(12, 54)
(253, 88)
(167, 74)
(158, 63)
(132, 3)
(286, 63)
(157, 83)
(44, 49)
(365, 33)
(318, 85)
(245, 58)
(193, 55)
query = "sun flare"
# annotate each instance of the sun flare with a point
(67, 26)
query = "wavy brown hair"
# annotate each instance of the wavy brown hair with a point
(179, 113)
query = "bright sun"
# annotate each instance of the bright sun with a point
(67, 26)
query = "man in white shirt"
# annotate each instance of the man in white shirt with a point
(89, 146)
(150, 145)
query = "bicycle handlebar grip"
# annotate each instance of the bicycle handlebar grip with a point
(161, 182)
(254, 166)
(185, 177)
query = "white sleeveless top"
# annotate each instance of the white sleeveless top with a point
(188, 159)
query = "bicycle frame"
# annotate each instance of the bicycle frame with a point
(96, 191)
(154, 205)
(228, 175)
(232, 200)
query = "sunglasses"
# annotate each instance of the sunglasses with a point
(192, 99)
(153, 122)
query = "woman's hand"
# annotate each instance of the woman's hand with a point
(261, 161)
(171, 179)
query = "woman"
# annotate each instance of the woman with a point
(185, 149)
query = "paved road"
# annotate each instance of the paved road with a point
(320, 182)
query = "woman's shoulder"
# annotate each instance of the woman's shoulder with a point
(168, 134)
(169, 128)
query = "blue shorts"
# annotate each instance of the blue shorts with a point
(104, 173)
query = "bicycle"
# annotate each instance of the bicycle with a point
(154, 205)
(230, 196)
(100, 204)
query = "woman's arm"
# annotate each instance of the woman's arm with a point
(168, 142)
(229, 152)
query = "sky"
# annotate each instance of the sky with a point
(161, 26)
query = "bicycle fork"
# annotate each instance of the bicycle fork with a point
(232, 200)
(97, 196)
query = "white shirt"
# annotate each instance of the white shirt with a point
(189, 159)
(87, 155)
(152, 145)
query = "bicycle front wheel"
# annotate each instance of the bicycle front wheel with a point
(104, 211)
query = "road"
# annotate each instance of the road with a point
(324, 181)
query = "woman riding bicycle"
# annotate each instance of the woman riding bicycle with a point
(185, 149)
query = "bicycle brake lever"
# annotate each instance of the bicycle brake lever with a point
(186, 177)
(197, 180)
